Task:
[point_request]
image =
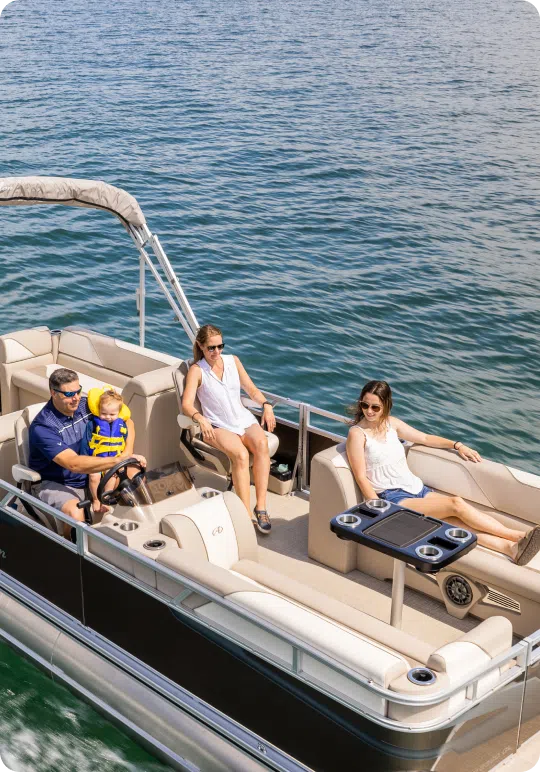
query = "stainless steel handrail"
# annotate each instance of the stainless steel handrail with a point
(519, 652)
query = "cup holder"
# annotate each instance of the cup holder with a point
(429, 552)
(210, 494)
(378, 505)
(351, 521)
(458, 534)
(129, 526)
(421, 676)
(154, 544)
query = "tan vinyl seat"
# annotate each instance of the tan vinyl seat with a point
(24, 476)
(196, 450)
(8, 450)
(20, 351)
(218, 549)
(143, 376)
(491, 582)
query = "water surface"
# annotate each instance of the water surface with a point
(349, 188)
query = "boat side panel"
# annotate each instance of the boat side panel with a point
(316, 730)
(42, 564)
(530, 719)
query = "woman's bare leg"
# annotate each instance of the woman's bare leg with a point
(255, 441)
(232, 445)
(499, 545)
(490, 532)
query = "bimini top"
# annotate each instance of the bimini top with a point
(93, 194)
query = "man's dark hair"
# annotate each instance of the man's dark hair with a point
(62, 376)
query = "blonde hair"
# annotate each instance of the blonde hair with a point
(203, 334)
(110, 396)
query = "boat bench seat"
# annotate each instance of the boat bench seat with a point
(8, 448)
(496, 584)
(144, 377)
(217, 548)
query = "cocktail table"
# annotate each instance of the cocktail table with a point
(407, 536)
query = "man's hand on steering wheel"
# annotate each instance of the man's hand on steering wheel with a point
(125, 455)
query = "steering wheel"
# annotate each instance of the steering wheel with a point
(124, 482)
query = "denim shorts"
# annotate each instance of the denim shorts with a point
(395, 495)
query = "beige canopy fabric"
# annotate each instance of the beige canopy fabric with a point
(94, 194)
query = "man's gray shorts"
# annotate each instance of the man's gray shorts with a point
(55, 494)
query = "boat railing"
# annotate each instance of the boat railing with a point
(305, 427)
(516, 660)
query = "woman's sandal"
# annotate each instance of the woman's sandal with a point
(528, 547)
(262, 521)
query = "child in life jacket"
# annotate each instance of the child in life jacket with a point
(109, 432)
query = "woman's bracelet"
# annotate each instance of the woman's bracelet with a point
(197, 412)
(457, 442)
(267, 403)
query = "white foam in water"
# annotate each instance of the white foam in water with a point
(44, 728)
(29, 750)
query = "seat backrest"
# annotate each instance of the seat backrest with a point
(489, 484)
(217, 530)
(333, 490)
(22, 350)
(103, 357)
(180, 375)
(152, 401)
(22, 425)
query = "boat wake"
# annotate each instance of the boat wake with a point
(44, 728)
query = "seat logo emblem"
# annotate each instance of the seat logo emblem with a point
(217, 530)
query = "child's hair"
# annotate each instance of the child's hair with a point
(110, 396)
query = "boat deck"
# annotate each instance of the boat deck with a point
(286, 549)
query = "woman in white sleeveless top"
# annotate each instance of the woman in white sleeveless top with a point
(378, 462)
(225, 423)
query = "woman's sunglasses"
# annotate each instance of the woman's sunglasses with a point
(68, 394)
(375, 408)
(219, 347)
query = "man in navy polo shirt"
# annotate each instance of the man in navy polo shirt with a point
(55, 439)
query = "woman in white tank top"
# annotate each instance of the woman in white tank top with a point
(378, 462)
(225, 423)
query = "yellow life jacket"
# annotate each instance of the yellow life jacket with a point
(108, 439)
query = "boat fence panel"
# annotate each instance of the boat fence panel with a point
(41, 560)
(530, 717)
(47, 547)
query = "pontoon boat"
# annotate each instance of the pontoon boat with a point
(220, 652)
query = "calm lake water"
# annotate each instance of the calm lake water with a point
(349, 188)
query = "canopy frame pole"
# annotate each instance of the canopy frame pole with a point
(145, 258)
(163, 260)
(142, 300)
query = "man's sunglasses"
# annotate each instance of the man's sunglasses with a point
(219, 347)
(375, 408)
(68, 394)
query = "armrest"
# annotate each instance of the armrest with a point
(250, 403)
(185, 422)
(24, 474)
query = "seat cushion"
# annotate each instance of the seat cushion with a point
(198, 444)
(8, 451)
(217, 529)
(80, 346)
(36, 381)
(417, 651)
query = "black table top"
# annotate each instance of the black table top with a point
(424, 542)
